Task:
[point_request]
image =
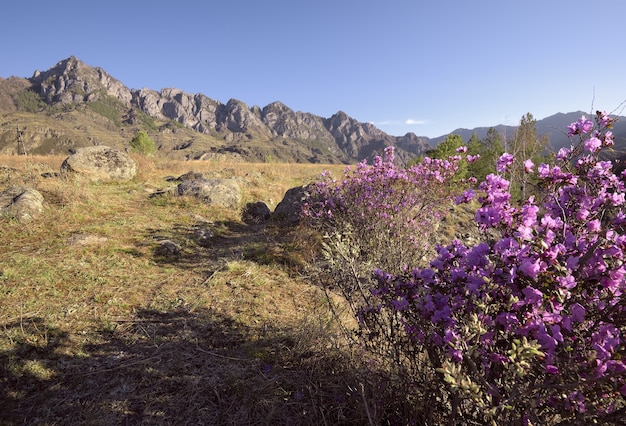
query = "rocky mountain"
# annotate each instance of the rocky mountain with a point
(73, 104)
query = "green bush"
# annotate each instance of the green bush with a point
(29, 101)
(143, 144)
(108, 107)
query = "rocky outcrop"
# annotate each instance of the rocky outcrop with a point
(72, 81)
(100, 163)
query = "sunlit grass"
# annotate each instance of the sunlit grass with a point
(89, 309)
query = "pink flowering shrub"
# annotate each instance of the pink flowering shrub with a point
(379, 215)
(528, 326)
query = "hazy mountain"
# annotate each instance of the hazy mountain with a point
(554, 126)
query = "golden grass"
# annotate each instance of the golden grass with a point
(97, 329)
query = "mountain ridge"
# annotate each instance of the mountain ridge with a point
(71, 90)
(73, 104)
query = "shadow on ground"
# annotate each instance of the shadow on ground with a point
(183, 365)
(176, 367)
(212, 245)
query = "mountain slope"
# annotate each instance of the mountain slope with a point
(73, 104)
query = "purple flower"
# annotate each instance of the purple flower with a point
(543, 170)
(532, 296)
(578, 312)
(563, 154)
(552, 369)
(581, 126)
(530, 268)
(466, 197)
(603, 119)
(593, 144)
(489, 216)
(400, 304)
(607, 140)
(529, 214)
(528, 166)
(507, 320)
(567, 282)
(504, 162)
(593, 225)
(442, 314)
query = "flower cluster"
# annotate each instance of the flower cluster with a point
(379, 215)
(384, 205)
(530, 323)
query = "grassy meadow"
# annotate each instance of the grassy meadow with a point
(96, 328)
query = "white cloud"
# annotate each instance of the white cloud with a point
(410, 121)
(407, 122)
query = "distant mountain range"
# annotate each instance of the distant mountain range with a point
(73, 104)
(554, 127)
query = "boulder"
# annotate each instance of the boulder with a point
(100, 163)
(167, 249)
(214, 191)
(203, 236)
(255, 213)
(21, 202)
(290, 208)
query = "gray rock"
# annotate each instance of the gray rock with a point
(203, 236)
(100, 163)
(220, 192)
(21, 202)
(255, 213)
(290, 208)
(167, 248)
(190, 175)
(71, 80)
(305, 137)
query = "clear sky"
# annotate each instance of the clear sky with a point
(426, 67)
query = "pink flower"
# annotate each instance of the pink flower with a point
(563, 153)
(593, 144)
(529, 166)
(504, 162)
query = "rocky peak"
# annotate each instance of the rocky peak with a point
(358, 140)
(237, 117)
(71, 81)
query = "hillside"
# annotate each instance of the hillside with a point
(73, 104)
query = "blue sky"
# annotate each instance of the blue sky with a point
(426, 67)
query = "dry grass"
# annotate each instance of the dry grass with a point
(95, 328)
